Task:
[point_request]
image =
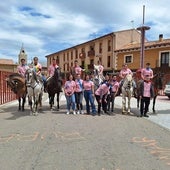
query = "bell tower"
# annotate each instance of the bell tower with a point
(22, 54)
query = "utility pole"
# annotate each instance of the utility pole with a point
(143, 28)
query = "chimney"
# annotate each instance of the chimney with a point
(160, 37)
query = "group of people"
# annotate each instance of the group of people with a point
(106, 92)
(75, 88)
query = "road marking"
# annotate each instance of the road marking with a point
(68, 136)
(161, 153)
(22, 137)
(6, 138)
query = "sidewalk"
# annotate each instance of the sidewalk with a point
(162, 107)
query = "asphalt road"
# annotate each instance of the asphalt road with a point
(56, 141)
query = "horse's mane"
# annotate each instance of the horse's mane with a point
(17, 83)
(16, 77)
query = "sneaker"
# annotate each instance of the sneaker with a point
(78, 112)
(68, 113)
(145, 115)
(74, 113)
(82, 112)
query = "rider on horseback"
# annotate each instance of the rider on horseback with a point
(147, 71)
(124, 71)
(76, 69)
(100, 69)
(51, 71)
(37, 67)
(21, 69)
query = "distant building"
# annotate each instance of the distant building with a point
(156, 52)
(102, 48)
(8, 65)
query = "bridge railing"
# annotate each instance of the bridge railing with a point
(6, 95)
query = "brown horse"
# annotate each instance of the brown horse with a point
(17, 84)
(54, 85)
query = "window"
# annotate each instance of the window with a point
(67, 56)
(109, 45)
(108, 61)
(100, 48)
(64, 57)
(128, 59)
(92, 47)
(165, 58)
(76, 54)
(71, 55)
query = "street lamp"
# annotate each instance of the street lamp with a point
(142, 29)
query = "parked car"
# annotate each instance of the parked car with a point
(167, 90)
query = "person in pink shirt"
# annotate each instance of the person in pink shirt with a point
(146, 92)
(51, 71)
(147, 71)
(52, 67)
(101, 96)
(124, 71)
(113, 92)
(79, 94)
(98, 69)
(69, 89)
(21, 69)
(88, 86)
(76, 69)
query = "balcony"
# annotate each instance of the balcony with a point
(91, 53)
(82, 55)
(164, 67)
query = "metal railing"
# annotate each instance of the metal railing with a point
(6, 95)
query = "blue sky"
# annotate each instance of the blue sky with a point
(47, 26)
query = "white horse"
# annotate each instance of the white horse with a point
(34, 91)
(97, 75)
(127, 91)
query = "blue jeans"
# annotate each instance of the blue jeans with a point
(70, 101)
(89, 98)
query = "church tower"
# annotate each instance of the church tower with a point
(21, 55)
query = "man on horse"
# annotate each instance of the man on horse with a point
(51, 71)
(76, 69)
(124, 71)
(147, 71)
(37, 67)
(21, 69)
(99, 68)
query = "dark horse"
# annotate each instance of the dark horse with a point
(17, 84)
(54, 85)
(157, 84)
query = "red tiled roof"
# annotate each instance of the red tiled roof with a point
(6, 61)
(149, 44)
